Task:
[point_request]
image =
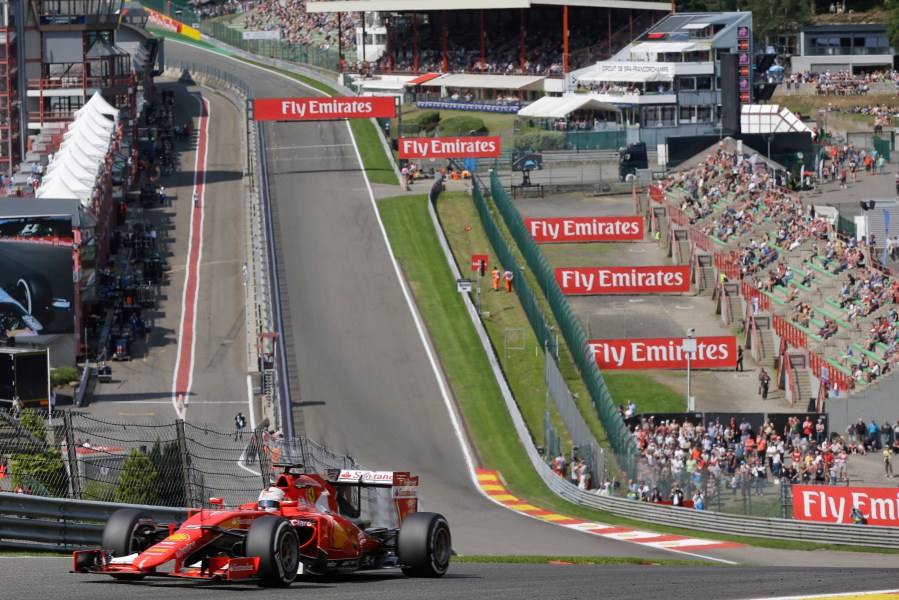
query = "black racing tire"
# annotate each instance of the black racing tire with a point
(34, 293)
(274, 540)
(424, 545)
(128, 531)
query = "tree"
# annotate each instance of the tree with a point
(771, 18)
(893, 26)
(166, 458)
(138, 482)
(38, 468)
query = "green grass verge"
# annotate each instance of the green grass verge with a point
(649, 395)
(476, 391)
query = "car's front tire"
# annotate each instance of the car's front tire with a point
(274, 540)
(128, 531)
(424, 545)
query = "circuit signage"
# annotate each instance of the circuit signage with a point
(716, 352)
(597, 281)
(586, 229)
(319, 109)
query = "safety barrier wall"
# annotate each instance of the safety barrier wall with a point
(771, 528)
(32, 522)
(620, 438)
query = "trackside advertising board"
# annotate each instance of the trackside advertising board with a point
(586, 229)
(717, 352)
(455, 147)
(597, 281)
(318, 109)
(831, 504)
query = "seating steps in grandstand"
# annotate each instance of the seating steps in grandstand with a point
(734, 303)
(834, 315)
(801, 387)
(683, 251)
(821, 291)
(706, 282)
(765, 348)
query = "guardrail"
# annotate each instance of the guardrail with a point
(687, 518)
(37, 523)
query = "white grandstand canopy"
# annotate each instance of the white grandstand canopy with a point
(431, 5)
(662, 47)
(556, 107)
(487, 82)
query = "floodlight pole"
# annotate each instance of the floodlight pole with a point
(689, 347)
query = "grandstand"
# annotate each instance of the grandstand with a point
(507, 37)
(815, 304)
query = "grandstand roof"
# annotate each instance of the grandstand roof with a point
(556, 107)
(489, 82)
(431, 5)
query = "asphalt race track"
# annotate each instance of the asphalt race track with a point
(46, 578)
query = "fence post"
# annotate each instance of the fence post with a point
(72, 456)
(185, 462)
(263, 454)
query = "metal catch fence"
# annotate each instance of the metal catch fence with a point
(76, 455)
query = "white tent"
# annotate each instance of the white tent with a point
(556, 107)
(56, 189)
(72, 169)
(81, 153)
(86, 136)
(99, 105)
(77, 155)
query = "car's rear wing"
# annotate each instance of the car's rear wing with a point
(403, 484)
(360, 477)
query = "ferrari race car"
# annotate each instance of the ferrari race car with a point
(304, 524)
(27, 303)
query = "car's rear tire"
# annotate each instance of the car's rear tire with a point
(274, 540)
(424, 545)
(128, 531)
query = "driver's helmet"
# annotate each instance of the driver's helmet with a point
(270, 499)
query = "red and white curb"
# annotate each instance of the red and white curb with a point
(493, 486)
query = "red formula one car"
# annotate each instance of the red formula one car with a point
(304, 524)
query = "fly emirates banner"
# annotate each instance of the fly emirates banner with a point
(595, 281)
(453, 147)
(832, 504)
(586, 229)
(317, 109)
(717, 352)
